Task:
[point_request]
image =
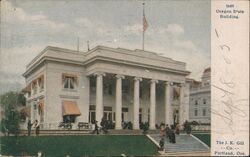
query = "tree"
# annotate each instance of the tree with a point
(10, 102)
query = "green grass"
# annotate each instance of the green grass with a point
(94, 145)
(206, 138)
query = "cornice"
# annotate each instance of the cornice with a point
(53, 59)
(107, 59)
(133, 53)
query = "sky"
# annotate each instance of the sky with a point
(176, 29)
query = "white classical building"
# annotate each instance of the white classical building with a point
(200, 99)
(118, 84)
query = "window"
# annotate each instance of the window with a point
(204, 112)
(195, 112)
(125, 89)
(92, 81)
(122, 117)
(41, 84)
(34, 86)
(69, 81)
(69, 119)
(196, 102)
(124, 109)
(140, 92)
(92, 117)
(108, 116)
(204, 101)
(107, 113)
(110, 89)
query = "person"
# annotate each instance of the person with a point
(37, 127)
(185, 126)
(102, 122)
(167, 129)
(104, 125)
(29, 125)
(177, 129)
(188, 128)
(96, 128)
(172, 135)
(161, 143)
(162, 130)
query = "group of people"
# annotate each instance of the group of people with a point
(104, 126)
(35, 125)
(170, 132)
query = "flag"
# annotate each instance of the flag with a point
(145, 24)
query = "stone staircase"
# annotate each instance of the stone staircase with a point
(184, 143)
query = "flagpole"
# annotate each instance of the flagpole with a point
(78, 43)
(88, 45)
(143, 16)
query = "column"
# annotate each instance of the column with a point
(186, 100)
(118, 102)
(168, 109)
(99, 97)
(152, 104)
(136, 102)
(182, 107)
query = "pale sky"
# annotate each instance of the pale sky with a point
(177, 29)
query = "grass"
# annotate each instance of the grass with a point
(206, 138)
(93, 145)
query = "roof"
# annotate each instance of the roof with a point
(119, 55)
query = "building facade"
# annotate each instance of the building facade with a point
(120, 85)
(200, 99)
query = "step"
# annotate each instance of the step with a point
(184, 143)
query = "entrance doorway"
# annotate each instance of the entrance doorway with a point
(92, 117)
(108, 116)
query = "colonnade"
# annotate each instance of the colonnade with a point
(118, 101)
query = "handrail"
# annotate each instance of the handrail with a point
(71, 126)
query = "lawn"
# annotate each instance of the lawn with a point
(94, 145)
(204, 138)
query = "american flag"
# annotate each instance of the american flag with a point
(145, 23)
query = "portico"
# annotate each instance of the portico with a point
(135, 104)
